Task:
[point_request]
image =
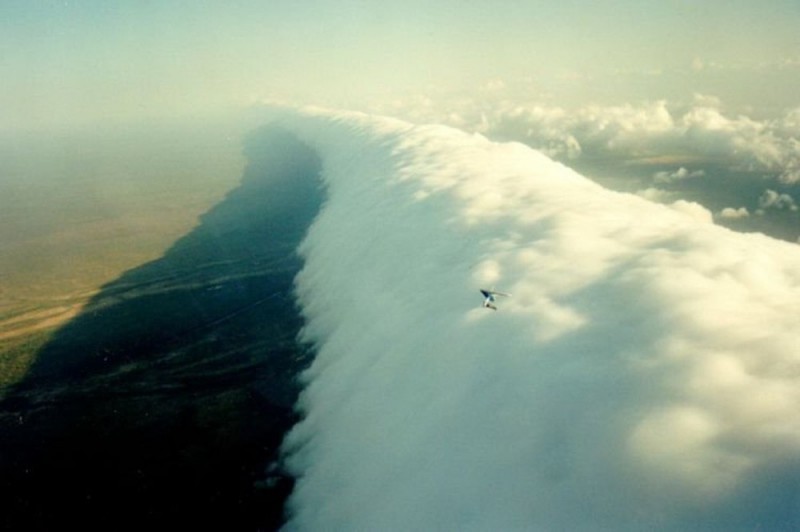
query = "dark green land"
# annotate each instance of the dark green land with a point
(164, 398)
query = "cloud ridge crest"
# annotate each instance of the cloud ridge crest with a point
(645, 372)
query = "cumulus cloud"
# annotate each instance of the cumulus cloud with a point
(731, 213)
(698, 131)
(656, 194)
(774, 200)
(643, 375)
(678, 175)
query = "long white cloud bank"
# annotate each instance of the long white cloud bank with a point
(645, 373)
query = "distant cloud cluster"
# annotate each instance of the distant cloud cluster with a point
(773, 200)
(680, 149)
(700, 130)
(734, 213)
(678, 175)
(643, 375)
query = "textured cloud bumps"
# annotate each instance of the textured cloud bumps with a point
(645, 373)
(699, 131)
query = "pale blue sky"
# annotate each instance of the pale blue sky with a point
(82, 61)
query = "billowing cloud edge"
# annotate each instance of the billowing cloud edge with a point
(685, 132)
(644, 372)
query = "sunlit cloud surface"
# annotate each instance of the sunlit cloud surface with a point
(644, 374)
(700, 129)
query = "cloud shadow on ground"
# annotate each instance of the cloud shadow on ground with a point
(168, 396)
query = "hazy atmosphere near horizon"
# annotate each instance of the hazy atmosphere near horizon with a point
(161, 163)
(677, 99)
(84, 62)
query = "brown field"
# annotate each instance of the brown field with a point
(79, 209)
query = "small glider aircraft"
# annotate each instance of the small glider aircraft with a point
(489, 298)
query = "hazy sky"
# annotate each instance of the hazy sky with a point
(77, 61)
